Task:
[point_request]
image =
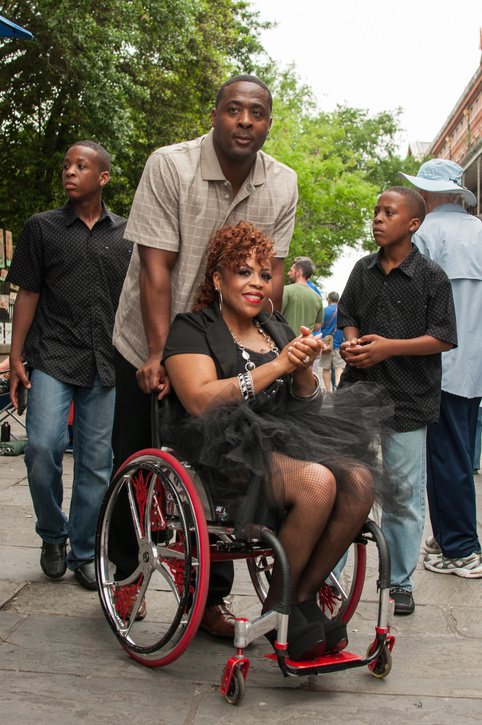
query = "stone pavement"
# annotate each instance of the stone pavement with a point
(60, 663)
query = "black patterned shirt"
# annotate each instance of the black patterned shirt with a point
(79, 273)
(414, 299)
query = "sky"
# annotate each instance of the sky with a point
(380, 55)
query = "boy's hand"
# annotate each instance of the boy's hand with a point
(347, 347)
(366, 351)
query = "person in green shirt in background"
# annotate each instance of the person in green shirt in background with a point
(301, 305)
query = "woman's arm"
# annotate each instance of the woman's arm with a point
(195, 381)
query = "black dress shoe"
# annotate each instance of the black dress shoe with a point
(85, 574)
(52, 559)
(403, 598)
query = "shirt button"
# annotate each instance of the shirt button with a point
(226, 196)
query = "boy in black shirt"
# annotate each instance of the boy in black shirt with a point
(70, 265)
(397, 316)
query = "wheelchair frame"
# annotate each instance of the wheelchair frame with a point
(173, 515)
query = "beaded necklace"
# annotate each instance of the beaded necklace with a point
(245, 354)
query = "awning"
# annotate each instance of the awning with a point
(11, 30)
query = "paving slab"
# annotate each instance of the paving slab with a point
(60, 662)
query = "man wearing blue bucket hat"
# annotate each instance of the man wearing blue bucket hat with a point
(453, 238)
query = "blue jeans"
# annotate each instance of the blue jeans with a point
(49, 402)
(405, 455)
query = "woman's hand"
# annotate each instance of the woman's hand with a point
(301, 352)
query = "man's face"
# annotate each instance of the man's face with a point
(241, 122)
(292, 273)
(81, 175)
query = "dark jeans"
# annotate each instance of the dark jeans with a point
(450, 476)
(132, 432)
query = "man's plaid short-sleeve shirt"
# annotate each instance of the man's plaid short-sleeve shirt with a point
(183, 197)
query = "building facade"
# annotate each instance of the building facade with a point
(460, 138)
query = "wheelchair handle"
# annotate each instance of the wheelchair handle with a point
(155, 436)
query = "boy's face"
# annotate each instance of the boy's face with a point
(81, 175)
(393, 222)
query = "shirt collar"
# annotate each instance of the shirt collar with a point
(211, 168)
(71, 216)
(408, 266)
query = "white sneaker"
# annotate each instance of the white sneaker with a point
(431, 546)
(469, 567)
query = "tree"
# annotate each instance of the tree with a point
(343, 159)
(130, 74)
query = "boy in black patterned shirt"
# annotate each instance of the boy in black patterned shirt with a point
(397, 316)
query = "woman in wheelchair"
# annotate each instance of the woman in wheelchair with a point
(253, 421)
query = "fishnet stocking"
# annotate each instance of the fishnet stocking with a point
(327, 508)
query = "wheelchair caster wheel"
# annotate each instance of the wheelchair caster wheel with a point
(383, 664)
(236, 688)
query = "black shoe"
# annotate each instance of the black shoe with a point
(306, 640)
(403, 598)
(335, 629)
(85, 574)
(52, 559)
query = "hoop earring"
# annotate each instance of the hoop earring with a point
(272, 309)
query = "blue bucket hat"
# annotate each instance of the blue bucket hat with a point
(441, 175)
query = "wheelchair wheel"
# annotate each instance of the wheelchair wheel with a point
(237, 687)
(383, 664)
(340, 594)
(172, 572)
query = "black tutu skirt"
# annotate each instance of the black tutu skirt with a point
(240, 449)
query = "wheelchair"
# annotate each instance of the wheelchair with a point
(174, 520)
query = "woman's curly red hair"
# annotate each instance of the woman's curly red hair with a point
(228, 249)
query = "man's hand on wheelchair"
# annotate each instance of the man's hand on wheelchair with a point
(152, 378)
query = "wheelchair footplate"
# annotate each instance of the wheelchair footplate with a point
(378, 660)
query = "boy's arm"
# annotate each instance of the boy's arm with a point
(372, 349)
(23, 314)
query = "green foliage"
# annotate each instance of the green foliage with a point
(138, 74)
(130, 74)
(343, 159)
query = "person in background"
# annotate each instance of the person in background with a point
(453, 238)
(332, 359)
(301, 305)
(69, 264)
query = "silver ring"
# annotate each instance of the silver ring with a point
(306, 360)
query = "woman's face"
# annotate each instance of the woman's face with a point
(246, 288)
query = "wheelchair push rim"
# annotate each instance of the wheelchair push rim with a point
(172, 572)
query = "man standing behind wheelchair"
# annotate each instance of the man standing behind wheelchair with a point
(187, 191)
(251, 419)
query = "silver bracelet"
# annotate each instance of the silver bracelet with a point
(246, 385)
(306, 398)
(250, 384)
